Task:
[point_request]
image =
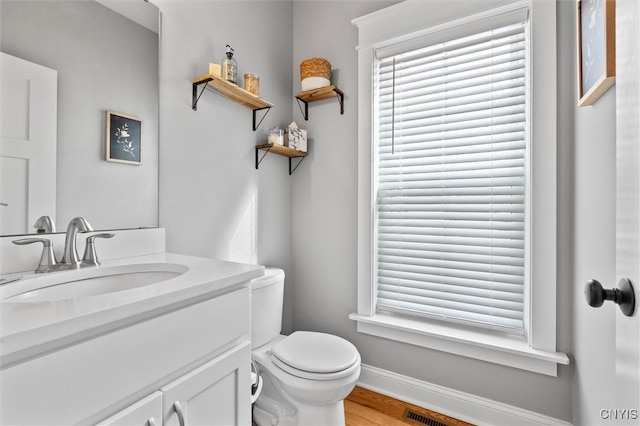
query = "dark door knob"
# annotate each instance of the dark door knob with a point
(623, 296)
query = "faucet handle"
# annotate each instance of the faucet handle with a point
(48, 257)
(90, 257)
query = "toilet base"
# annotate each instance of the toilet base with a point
(310, 416)
(274, 408)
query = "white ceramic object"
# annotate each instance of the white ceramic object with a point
(267, 294)
(104, 280)
(306, 375)
(311, 83)
(148, 285)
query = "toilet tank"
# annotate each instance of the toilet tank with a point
(267, 294)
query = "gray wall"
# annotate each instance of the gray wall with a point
(324, 259)
(104, 62)
(213, 202)
(307, 223)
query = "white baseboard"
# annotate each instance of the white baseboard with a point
(463, 406)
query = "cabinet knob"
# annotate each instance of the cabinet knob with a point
(623, 296)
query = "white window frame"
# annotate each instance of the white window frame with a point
(536, 351)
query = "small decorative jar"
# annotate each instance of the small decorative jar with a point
(276, 136)
(252, 84)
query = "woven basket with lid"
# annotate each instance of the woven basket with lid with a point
(315, 67)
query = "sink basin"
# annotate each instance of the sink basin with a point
(86, 283)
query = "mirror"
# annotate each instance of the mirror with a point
(105, 62)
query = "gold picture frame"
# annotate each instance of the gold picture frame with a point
(596, 25)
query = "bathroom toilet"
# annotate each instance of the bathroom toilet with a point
(306, 375)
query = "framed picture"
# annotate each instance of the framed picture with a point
(123, 138)
(596, 49)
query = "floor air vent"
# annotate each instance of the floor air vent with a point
(420, 419)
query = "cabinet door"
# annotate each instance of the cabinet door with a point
(146, 412)
(218, 393)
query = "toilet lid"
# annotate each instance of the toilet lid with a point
(316, 352)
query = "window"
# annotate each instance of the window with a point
(451, 131)
(449, 193)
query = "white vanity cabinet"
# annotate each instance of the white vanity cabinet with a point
(212, 394)
(196, 352)
(147, 412)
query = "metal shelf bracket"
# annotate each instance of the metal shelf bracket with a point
(305, 112)
(340, 100)
(195, 97)
(255, 126)
(294, 169)
(258, 161)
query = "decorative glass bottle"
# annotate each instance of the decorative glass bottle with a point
(230, 67)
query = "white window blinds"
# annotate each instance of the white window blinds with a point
(451, 126)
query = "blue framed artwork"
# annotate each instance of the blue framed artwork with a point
(123, 138)
(596, 49)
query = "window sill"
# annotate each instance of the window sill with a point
(512, 351)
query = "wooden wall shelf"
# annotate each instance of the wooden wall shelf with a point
(319, 94)
(255, 103)
(231, 92)
(280, 150)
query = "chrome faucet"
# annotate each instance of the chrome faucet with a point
(45, 225)
(70, 258)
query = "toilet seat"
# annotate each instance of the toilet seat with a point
(315, 356)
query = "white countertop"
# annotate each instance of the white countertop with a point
(27, 329)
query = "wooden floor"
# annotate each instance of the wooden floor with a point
(366, 408)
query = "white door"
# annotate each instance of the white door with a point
(28, 131)
(628, 205)
(218, 393)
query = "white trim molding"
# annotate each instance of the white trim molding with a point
(509, 350)
(537, 350)
(460, 405)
